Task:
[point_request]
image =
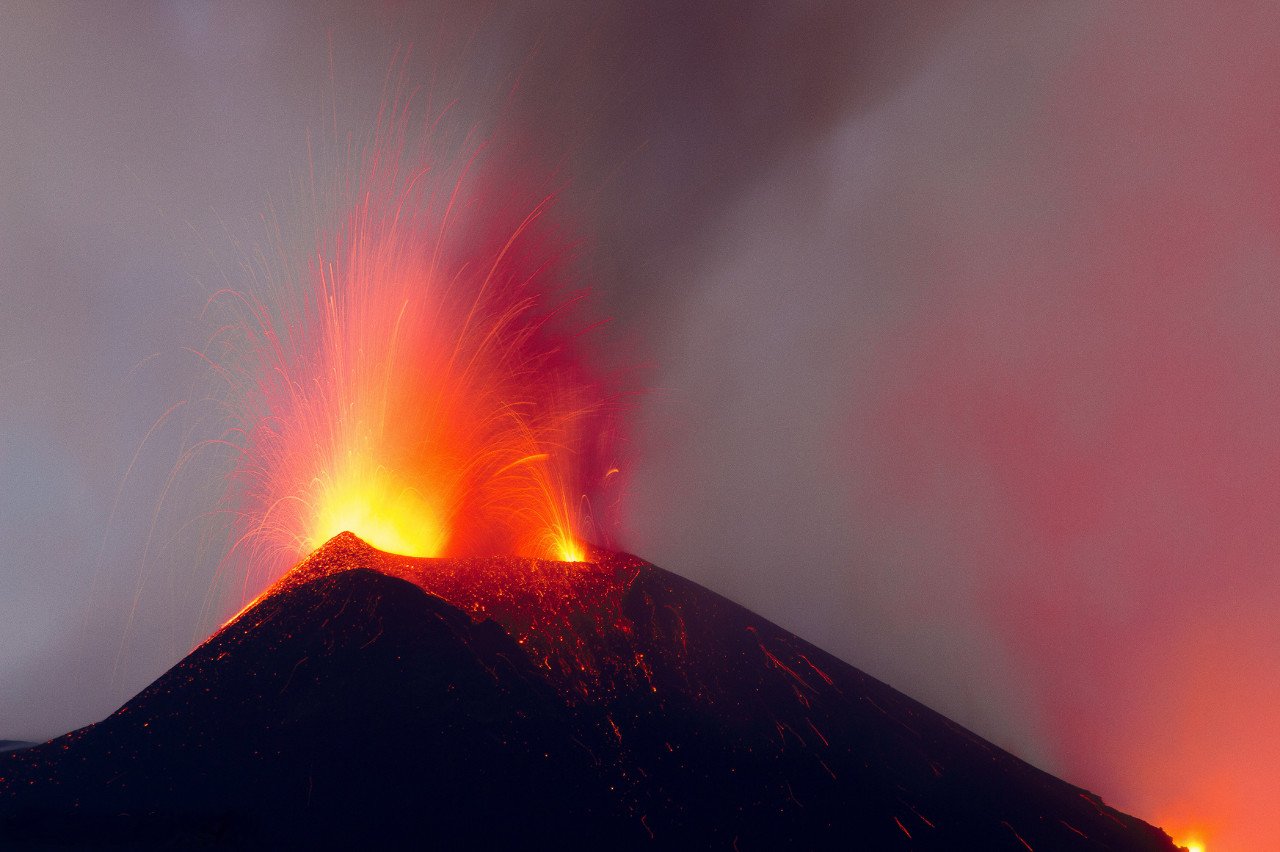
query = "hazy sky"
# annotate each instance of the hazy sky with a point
(960, 327)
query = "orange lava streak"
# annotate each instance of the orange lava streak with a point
(415, 380)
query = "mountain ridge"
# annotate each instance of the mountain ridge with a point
(566, 703)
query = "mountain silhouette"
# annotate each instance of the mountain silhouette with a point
(368, 700)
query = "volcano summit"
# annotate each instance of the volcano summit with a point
(368, 700)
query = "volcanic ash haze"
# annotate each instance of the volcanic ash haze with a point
(964, 318)
(372, 699)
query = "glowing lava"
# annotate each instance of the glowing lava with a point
(391, 516)
(417, 376)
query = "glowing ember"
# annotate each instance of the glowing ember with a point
(416, 380)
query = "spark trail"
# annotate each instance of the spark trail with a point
(416, 376)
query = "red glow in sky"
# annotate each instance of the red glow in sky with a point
(1091, 396)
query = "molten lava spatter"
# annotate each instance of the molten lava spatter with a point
(416, 372)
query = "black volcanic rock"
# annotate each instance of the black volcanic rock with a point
(805, 751)
(353, 710)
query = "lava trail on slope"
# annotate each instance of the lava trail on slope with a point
(369, 699)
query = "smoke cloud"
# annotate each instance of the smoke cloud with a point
(957, 327)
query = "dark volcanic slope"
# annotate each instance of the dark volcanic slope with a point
(605, 706)
(355, 710)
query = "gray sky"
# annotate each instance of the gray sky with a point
(959, 333)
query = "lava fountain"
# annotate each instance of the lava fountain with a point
(416, 375)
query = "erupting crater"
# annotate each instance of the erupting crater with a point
(567, 615)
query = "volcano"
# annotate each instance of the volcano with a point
(368, 700)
